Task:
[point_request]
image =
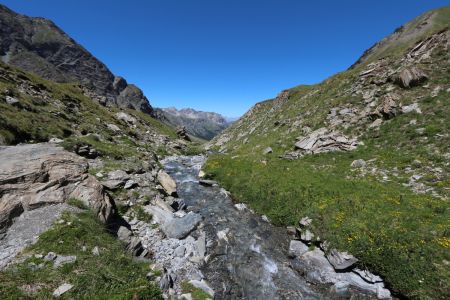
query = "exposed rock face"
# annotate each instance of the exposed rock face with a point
(205, 125)
(410, 77)
(39, 46)
(36, 175)
(322, 140)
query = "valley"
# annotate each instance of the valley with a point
(337, 190)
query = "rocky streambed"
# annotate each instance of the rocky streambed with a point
(232, 253)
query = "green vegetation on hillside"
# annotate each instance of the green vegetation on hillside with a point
(59, 110)
(372, 211)
(113, 274)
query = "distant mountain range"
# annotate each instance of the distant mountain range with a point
(204, 125)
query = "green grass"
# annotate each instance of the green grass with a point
(66, 111)
(196, 293)
(111, 275)
(403, 236)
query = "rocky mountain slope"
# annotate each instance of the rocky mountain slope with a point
(364, 154)
(204, 125)
(37, 45)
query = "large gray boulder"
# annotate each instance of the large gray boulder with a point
(36, 175)
(174, 227)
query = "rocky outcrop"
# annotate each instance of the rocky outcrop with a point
(37, 175)
(323, 140)
(410, 77)
(37, 45)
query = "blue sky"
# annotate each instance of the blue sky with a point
(224, 55)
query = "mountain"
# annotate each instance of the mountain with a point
(364, 154)
(204, 125)
(37, 45)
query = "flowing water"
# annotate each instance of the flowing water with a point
(248, 256)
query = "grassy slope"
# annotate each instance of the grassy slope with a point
(401, 235)
(111, 275)
(65, 112)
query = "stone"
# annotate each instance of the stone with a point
(168, 184)
(410, 77)
(166, 282)
(113, 184)
(51, 256)
(200, 245)
(341, 260)
(186, 297)
(12, 101)
(367, 275)
(55, 141)
(62, 260)
(36, 175)
(130, 184)
(174, 227)
(113, 127)
(305, 222)
(297, 248)
(118, 175)
(268, 150)
(201, 174)
(291, 231)
(124, 234)
(126, 118)
(359, 163)
(203, 285)
(207, 182)
(411, 108)
(377, 123)
(95, 251)
(65, 287)
(179, 251)
(306, 235)
(240, 206)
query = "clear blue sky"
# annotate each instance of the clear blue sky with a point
(224, 55)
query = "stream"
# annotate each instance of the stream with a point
(247, 256)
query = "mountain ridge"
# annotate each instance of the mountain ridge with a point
(39, 46)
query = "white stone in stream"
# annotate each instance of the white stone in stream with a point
(201, 174)
(297, 248)
(203, 285)
(265, 218)
(62, 289)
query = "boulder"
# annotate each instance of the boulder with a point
(35, 175)
(268, 150)
(305, 222)
(62, 289)
(62, 260)
(359, 163)
(323, 140)
(341, 260)
(410, 77)
(297, 248)
(168, 184)
(12, 101)
(126, 118)
(174, 227)
(411, 108)
(113, 127)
